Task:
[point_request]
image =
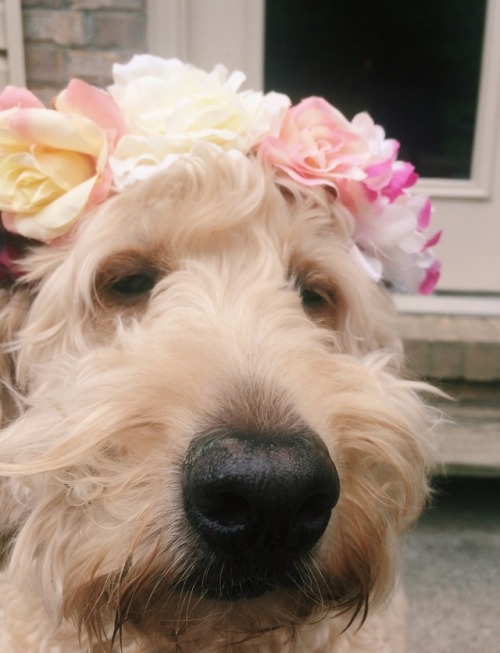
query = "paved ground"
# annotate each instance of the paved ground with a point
(452, 570)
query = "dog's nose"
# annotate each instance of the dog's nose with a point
(259, 495)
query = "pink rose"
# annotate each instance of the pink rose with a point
(317, 146)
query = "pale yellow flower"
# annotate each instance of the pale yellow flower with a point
(53, 163)
(170, 107)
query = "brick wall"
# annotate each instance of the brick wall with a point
(79, 38)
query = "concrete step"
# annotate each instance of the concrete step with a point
(452, 346)
(469, 441)
(461, 355)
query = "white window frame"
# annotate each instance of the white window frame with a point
(479, 186)
(14, 43)
(235, 28)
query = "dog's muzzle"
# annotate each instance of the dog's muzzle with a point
(258, 503)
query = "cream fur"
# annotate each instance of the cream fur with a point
(102, 395)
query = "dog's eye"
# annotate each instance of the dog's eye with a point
(133, 285)
(312, 299)
(320, 303)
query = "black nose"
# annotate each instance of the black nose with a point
(259, 495)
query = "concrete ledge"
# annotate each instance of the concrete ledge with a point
(469, 444)
(452, 347)
(461, 354)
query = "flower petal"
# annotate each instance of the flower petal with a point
(92, 103)
(15, 97)
(431, 278)
(54, 220)
(58, 130)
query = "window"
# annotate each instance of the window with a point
(414, 66)
(459, 155)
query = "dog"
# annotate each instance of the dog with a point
(208, 440)
(207, 444)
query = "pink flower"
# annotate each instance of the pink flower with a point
(57, 163)
(83, 99)
(13, 96)
(54, 162)
(317, 145)
(390, 239)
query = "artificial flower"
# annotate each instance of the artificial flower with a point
(318, 146)
(14, 96)
(170, 107)
(390, 238)
(54, 162)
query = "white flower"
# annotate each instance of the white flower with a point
(170, 106)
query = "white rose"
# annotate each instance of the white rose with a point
(170, 106)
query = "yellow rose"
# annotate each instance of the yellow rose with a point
(53, 163)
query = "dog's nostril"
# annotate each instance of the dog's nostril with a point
(313, 508)
(259, 495)
(225, 508)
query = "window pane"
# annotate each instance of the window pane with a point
(413, 65)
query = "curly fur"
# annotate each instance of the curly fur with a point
(103, 392)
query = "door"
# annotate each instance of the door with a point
(464, 180)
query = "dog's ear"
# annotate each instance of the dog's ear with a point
(14, 303)
(15, 298)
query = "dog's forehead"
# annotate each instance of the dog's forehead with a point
(201, 205)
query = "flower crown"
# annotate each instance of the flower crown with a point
(56, 164)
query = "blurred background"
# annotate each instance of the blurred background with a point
(429, 72)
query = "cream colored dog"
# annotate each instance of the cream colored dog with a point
(206, 441)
